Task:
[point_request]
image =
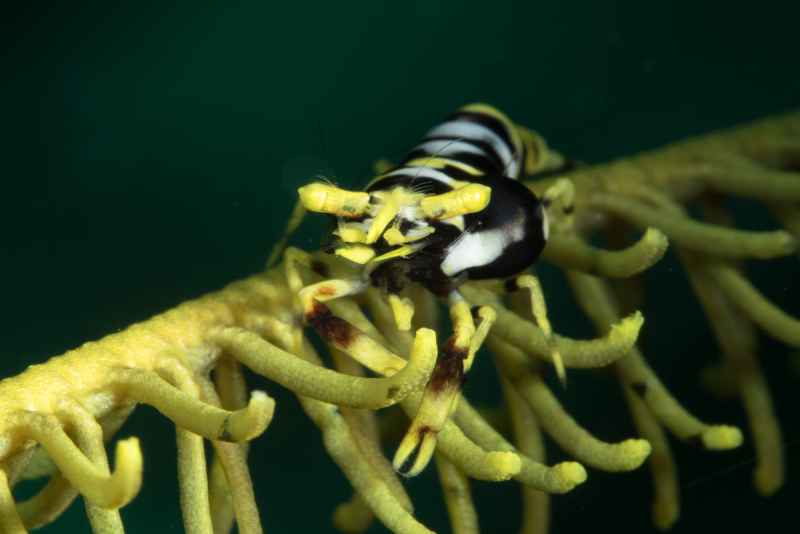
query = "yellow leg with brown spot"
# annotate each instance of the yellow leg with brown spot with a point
(442, 391)
(327, 290)
(346, 328)
(309, 302)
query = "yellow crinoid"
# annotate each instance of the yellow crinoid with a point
(188, 362)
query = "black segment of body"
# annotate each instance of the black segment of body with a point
(509, 199)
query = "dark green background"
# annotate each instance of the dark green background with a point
(152, 152)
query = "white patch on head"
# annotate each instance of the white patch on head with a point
(472, 250)
(476, 249)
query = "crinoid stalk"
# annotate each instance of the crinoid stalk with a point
(188, 362)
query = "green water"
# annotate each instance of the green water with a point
(152, 154)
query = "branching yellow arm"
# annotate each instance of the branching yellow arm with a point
(737, 339)
(324, 384)
(560, 478)
(700, 236)
(623, 456)
(575, 353)
(570, 252)
(596, 301)
(97, 486)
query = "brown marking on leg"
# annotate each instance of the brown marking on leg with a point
(326, 291)
(449, 370)
(329, 327)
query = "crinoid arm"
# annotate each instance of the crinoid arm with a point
(188, 363)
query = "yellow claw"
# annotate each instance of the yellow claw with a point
(324, 198)
(399, 252)
(394, 236)
(351, 233)
(403, 311)
(384, 217)
(360, 254)
(471, 198)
